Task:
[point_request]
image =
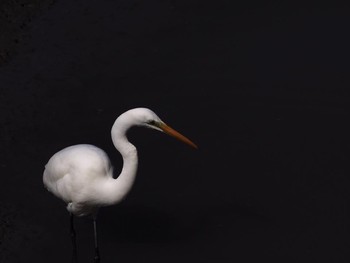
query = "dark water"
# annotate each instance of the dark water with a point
(260, 87)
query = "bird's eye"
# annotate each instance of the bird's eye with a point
(152, 122)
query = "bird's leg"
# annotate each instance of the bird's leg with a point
(97, 252)
(73, 237)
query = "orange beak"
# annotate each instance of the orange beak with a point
(170, 131)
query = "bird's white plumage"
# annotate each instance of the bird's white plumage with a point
(82, 176)
(74, 174)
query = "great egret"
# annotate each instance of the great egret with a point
(82, 175)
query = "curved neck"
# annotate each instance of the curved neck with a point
(119, 187)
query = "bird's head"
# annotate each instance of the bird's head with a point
(147, 118)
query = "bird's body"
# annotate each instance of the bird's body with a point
(82, 175)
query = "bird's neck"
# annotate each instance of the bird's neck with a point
(123, 183)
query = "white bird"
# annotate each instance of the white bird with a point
(82, 175)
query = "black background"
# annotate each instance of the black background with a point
(259, 86)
